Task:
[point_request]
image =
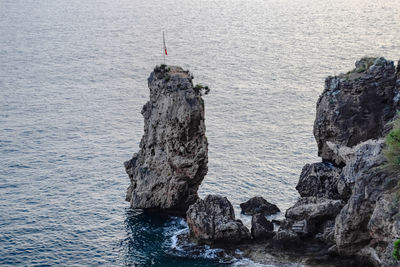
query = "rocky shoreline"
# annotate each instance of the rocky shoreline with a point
(348, 211)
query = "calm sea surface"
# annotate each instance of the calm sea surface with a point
(73, 79)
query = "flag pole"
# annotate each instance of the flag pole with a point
(163, 46)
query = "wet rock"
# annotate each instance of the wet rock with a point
(261, 228)
(314, 209)
(286, 239)
(319, 180)
(355, 107)
(172, 162)
(258, 205)
(212, 220)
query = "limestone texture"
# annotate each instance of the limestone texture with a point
(172, 161)
(212, 221)
(320, 180)
(355, 107)
(350, 200)
(314, 208)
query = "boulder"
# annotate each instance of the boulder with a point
(258, 205)
(261, 228)
(314, 209)
(212, 220)
(172, 162)
(319, 180)
(355, 107)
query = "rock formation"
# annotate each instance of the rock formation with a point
(355, 107)
(319, 179)
(348, 201)
(261, 228)
(212, 220)
(258, 205)
(172, 162)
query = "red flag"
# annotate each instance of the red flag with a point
(165, 47)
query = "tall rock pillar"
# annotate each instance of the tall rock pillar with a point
(172, 161)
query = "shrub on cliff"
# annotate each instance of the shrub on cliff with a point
(392, 150)
(200, 89)
(396, 248)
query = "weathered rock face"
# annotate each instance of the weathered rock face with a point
(172, 162)
(351, 231)
(358, 159)
(384, 225)
(313, 208)
(369, 182)
(351, 205)
(355, 107)
(212, 220)
(261, 228)
(258, 205)
(320, 180)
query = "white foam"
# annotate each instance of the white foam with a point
(174, 239)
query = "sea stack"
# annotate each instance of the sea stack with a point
(172, 161)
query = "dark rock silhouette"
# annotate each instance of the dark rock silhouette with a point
(258, 205)
(212, 220)
(172, 162)
(261, 228)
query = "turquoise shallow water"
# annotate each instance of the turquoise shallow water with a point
(73, 79)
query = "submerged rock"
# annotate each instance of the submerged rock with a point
(212, 220)
(261, 228)
(355, 107)
(172, 162)
(258, 205)
(319, 180)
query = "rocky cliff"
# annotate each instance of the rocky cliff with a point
(349, 200)
(349, 204)
(172, 161)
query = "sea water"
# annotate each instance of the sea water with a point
(73, 79)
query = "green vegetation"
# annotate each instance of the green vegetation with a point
(166, 77)
(200, 89)
(392, 149)
(396, 248)
(162, 68)
(361, 66)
